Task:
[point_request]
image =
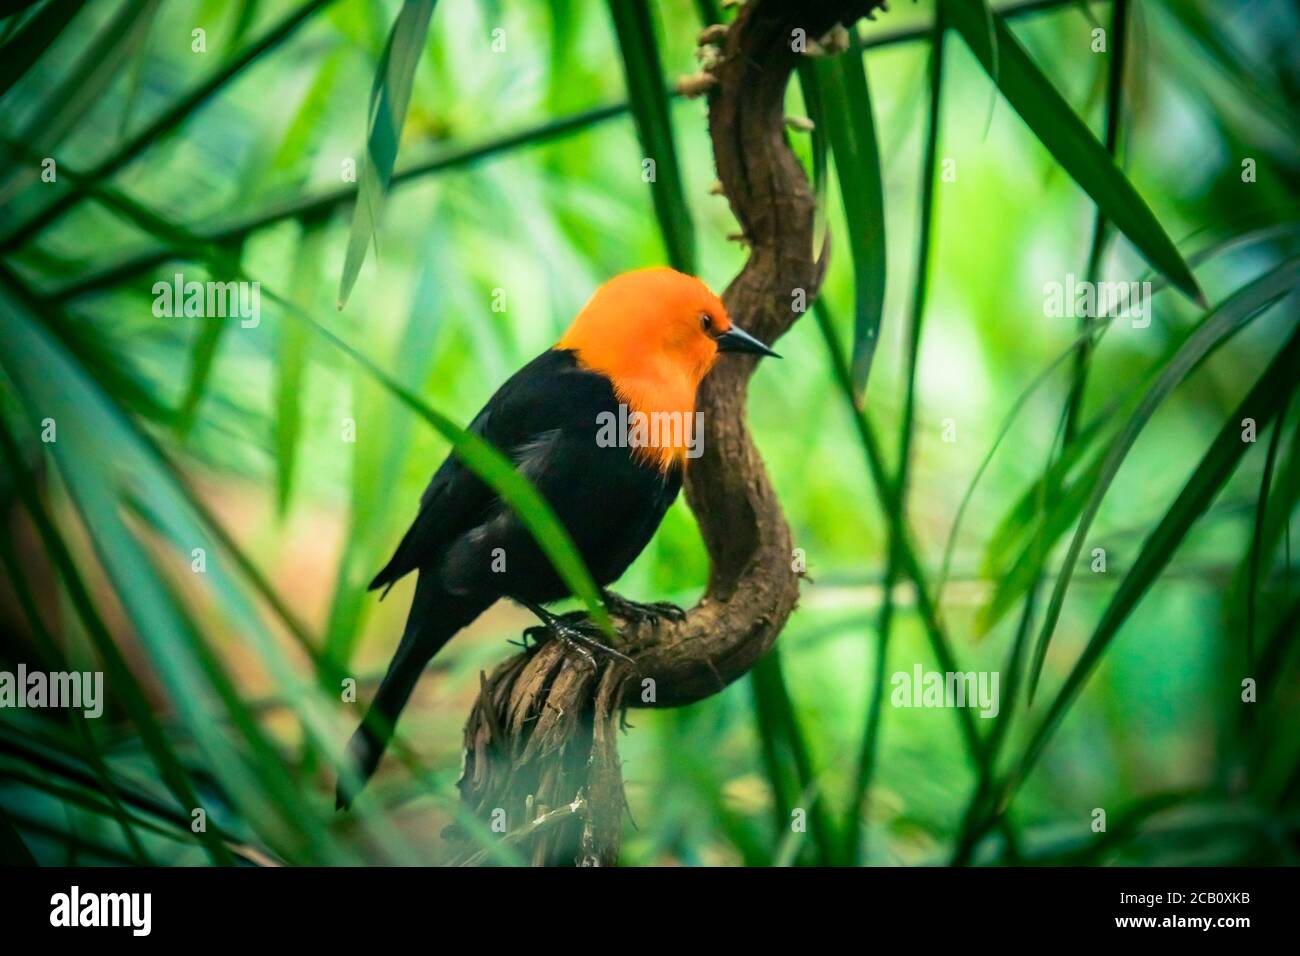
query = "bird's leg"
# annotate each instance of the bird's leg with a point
(636, 612)
(575, 631)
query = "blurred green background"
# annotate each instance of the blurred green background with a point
(520, 184)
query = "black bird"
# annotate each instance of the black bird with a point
(641, 345)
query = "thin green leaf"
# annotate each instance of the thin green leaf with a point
(1256, 551)
(244, 17)
(1004, 429)
(784, 741)
(1283, 498)
(1017, 575)
(866, 761)
(850, 128)
(1235, 63)
(1086, 10)
(207, 341)
(899, 532)
(300, 208)
(648, 98)
(290, 157)
(136, 52)
(56, 660)
(177, 113)
(94, 72)
(85, 799)
(9, 7)
(61, 759)
(1100, 232)
(1069, 141)
(13, 851)
(389, 98)
(376, 469)
(1221, 324)
(291, 364)
(1018, 522)
(103, 463)
(1263, 403)
(123, 681)
(33, 38)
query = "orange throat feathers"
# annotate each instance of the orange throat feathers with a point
(646, 332)
(657, 421)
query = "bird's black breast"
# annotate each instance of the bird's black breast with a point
(547, 419)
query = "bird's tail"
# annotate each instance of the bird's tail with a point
(434, 619)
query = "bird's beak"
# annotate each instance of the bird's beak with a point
(736, 339)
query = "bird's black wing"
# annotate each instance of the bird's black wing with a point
(548, 395)
(609, 499)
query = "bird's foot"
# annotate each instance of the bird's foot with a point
(636, 612)
(576, 632)
(543, 632)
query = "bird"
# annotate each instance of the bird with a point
(640, 346)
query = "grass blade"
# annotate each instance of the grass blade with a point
(1004, 429)
(1069, 141)
(1015, 570)
(1114, 119)
(845, 101)
(1264, 401)
(291, 364)
(296, 207)
(33, 38)
(207, 342)
(1282, 498)
(389, 97)
(56, 661)
(787, 760)
(60, 760)
(128, 689)
(181, 110)
(888, 495)
(1050, 519)
(866, 760)
(648, 98)
(1219, 325)
(13, 851)
(1257, 537)
(103, 465)
(95, 71)
(375, 472)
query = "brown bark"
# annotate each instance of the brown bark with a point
(543, 732)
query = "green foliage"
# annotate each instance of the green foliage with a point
(648, 97)
(517, 189)
(844, 108)
(1059, 129)
(389, 98)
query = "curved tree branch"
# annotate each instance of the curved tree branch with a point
(543, 731)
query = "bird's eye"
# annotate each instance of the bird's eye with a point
(706, 321)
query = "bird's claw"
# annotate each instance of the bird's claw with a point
(576, 631)
(636, 612)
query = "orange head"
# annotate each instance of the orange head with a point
(655, 326)
(655, 333)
